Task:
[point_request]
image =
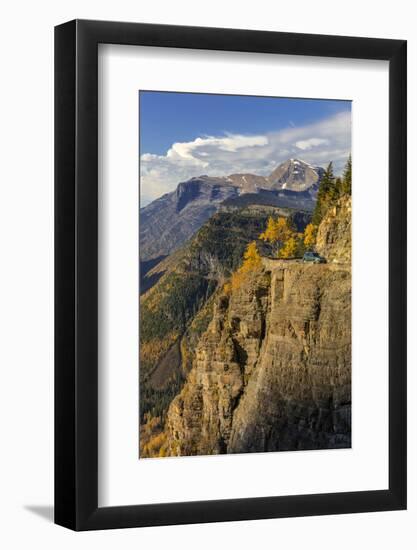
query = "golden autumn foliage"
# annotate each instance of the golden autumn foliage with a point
(289, 249)
(270, 233)
(252, 261)
(152, 438)
(251, 258)
(310, 234)
(282, 235)
(277, 231)
(227, 288)
(154, 447)
(238, 278)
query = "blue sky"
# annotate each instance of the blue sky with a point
(184, 135)
(168, 117)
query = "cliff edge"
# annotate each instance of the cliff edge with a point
(272, 372)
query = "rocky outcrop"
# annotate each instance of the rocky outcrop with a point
(299, 395)
(272, 372)
(200, 418)
(334, 235)
(173, 311)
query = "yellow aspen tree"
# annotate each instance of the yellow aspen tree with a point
(289, 249)
(251, 258)
(310, 234)
(284, 231)
(277, 231)
(251, 261)
(270, 233)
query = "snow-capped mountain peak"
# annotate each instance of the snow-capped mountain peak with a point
(295, 175)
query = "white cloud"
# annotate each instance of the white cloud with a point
(318, 144)
(309, 143)
(230, 143)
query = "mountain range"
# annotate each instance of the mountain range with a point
(169, 221)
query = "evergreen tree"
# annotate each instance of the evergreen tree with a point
(347, 177)
(339, 187)
(326, 196)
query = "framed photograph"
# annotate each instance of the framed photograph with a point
(230, 247)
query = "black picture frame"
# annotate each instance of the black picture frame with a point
(76, 272)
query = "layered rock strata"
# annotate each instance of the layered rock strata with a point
(273, 370)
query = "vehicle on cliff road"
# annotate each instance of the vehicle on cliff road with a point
(313, 257)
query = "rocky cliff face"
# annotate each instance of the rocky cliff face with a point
(176, 309)
(334, 235)
(272, 372)
(171, 220)
(298, 397)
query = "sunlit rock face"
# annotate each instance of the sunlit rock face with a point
(272, 372)
(334, 236)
